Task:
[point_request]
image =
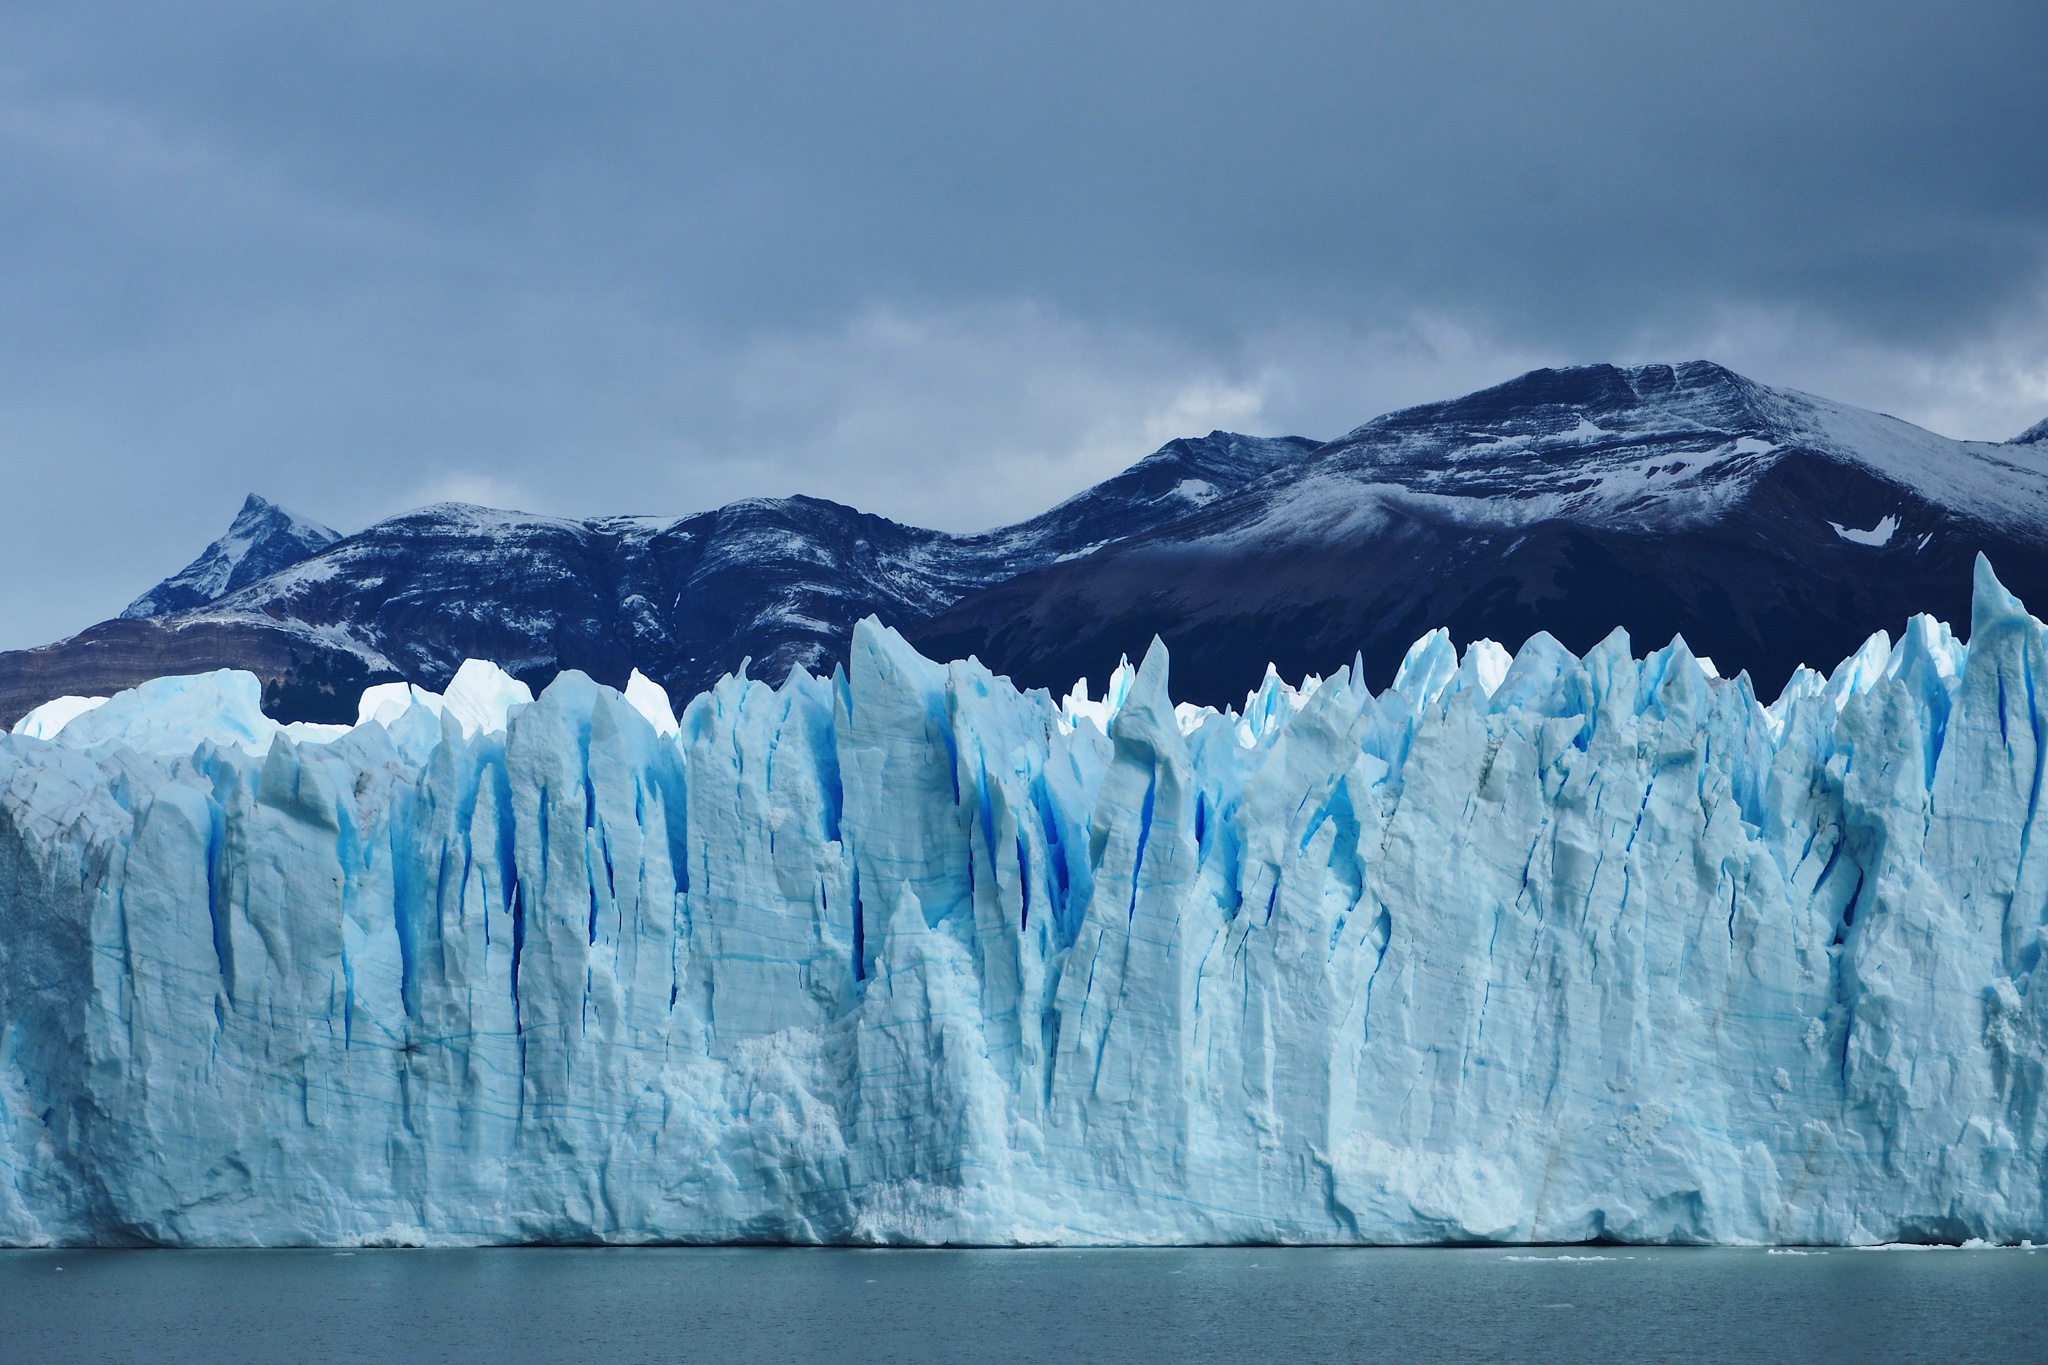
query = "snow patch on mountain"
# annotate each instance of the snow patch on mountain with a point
(1659, 446)
(2001, 484)
(1877, 536)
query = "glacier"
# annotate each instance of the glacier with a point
(1523, 948)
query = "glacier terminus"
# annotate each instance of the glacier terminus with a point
(1529, 948)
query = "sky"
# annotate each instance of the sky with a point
(950, 263)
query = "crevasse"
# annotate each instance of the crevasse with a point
(1572, 949)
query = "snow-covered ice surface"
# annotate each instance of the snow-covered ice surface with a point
(1570, 949)
(46, 720)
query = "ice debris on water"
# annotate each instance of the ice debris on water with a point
(1529, 949)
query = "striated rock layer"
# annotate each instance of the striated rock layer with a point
(1567, 949)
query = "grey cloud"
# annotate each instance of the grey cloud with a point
(948, 262)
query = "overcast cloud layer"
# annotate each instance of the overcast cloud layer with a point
(948, 262)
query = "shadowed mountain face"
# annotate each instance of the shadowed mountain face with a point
(1767, 527)
(779, 582)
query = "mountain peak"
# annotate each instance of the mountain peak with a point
(1565, 499)
(1235, 456)
(1556, 399)
(262, 539)
(2034, 435)
(1180, 477)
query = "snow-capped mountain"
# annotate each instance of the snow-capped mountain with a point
(1768, 528)
(778, 581)
(262, 539)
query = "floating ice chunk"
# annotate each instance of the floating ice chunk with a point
(650, 699)
(46, 720)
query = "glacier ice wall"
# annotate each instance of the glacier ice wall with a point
(1553, 949)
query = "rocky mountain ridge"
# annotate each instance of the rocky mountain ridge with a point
(1768, 527)
(778, 582)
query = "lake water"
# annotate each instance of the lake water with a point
(1046, 1307)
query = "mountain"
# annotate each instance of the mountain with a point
(262, 539)
(780, 581)
(1768, 528)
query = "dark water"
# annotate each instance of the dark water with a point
(1046, 1307)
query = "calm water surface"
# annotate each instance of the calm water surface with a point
(1300, 1306)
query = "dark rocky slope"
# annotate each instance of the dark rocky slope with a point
(777, 581)
(1768, 528)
